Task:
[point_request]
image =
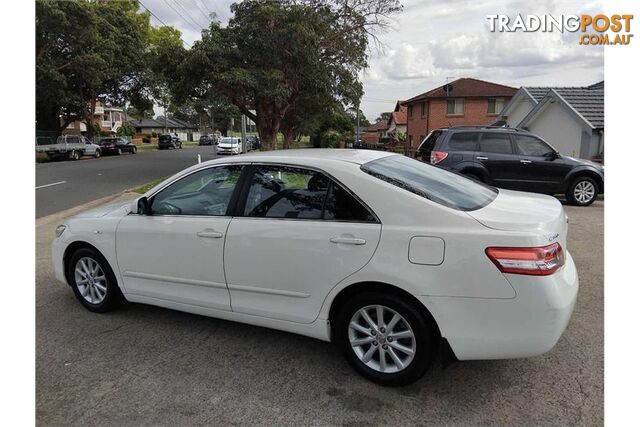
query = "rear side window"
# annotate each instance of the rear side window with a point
(430, 143)
(297, 193)
(433, 183)
(531, 146)
(343, 206)
(464, 141)
(496, 143)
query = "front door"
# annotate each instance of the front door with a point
(176, 253)
(541, 170)
(298, 235)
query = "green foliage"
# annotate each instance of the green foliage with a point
(330, 139)
(126, 130)
(97, 49)
(286, 59)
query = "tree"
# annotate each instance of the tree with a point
(85, 50)
(272, 54)
(383, 117)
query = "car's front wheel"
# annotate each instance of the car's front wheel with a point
(583, 191)
(96, 154)
(93, 281)
(386, 338)
(134, 150)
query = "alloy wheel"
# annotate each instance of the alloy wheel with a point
(584, 191)
(91, 280)
(382, 339)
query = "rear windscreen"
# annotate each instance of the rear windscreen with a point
(433, 183)
(430, 142)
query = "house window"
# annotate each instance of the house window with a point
(495, 105)
(423, 109)
(455, 107)
(410, 110)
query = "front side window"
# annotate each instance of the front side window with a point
(433, 183)
(499, 143)
(464, 141)
(297, 193)
(204, 193)
(531, 146)
(455, 107)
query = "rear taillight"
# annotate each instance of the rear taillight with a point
(538, 261)
(438, 156)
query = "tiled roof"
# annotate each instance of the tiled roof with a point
(467, 87)
(145, 123)
(399, 117)
(588, 101)
(381, 125)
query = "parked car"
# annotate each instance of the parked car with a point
(513, 159)
(339, 250)
(117, 146)
(229, 145)
(167, 141)
(253, 142)
(206, 140)
(68, 147)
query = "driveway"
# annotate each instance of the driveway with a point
(63, 185)
(152, 366)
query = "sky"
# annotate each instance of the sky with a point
(433, 42)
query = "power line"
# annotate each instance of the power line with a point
(180, 15)
(160, 20)
(187, 14)
(207, 17)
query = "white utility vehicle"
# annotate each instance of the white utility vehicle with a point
(68, 147)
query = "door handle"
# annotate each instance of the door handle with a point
(210, 233)
(526, 162)
(482, 158)
(348, 240)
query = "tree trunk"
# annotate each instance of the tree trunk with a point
(289, 136)
(90, 114)
(268, 126)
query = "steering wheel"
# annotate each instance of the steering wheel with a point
(167, 208)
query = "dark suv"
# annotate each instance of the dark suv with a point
(514, 159)
(168, 141)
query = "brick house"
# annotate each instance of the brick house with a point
(375, 132)
(465, 101)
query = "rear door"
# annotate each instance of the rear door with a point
(497, 156)
(296, 234)
(461, 147)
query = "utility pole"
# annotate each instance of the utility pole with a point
(165, 117)
(357, 125)
(243, 132)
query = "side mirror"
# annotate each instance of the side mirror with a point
(552, 155)
(142, 206)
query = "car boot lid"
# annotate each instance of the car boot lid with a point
(520, 211)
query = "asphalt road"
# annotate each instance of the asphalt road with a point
(66, 184)
(143, 365)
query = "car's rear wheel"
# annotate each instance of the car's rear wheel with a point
(134, 150)
(75, 155)
(473, 176)
(93, 281)
(386, 338)
(96, 154)
(583, 191)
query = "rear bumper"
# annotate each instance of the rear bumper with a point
(528, 325)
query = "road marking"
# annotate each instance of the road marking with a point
(49, 185)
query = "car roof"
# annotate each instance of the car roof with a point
(305, 155)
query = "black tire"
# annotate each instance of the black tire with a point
(134, 150)
(424, 330)
(572, 192)
(96, 154)
(113, 297)
(74, 155)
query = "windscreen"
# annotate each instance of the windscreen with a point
(441, 186)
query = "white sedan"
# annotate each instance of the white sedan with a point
(395, 260)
